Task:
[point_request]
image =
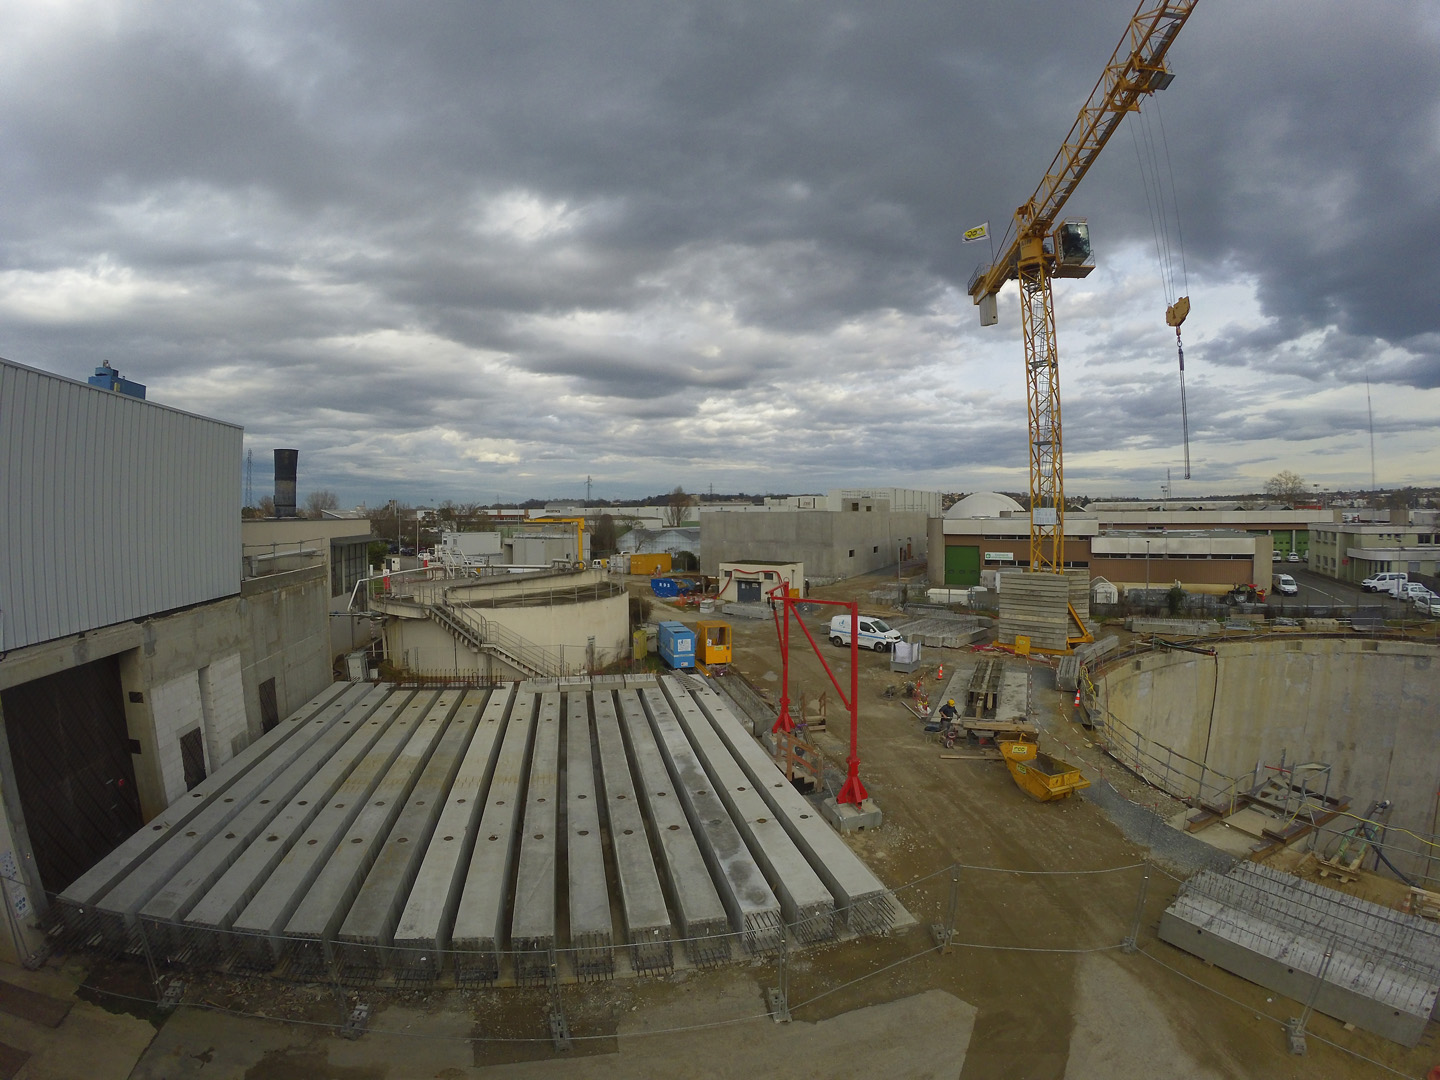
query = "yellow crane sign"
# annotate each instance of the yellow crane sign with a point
(1045, 247)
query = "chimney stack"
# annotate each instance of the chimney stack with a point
(285, 462)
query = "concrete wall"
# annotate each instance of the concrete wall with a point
(822, 540)
(201, 667)
(1366, 707)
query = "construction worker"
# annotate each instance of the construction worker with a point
(948, 713)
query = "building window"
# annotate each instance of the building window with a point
(852, 553)
(192, 757)
(875, 550)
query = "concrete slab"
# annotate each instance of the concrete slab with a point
(423, 933)
(260, 923)
(532, 928)
(695, 901)
(752, 905)
(363, 944)
(479, 932)
(642, 903)
(1363, 964)
(807, 905)
(860, 896)
(591, 951)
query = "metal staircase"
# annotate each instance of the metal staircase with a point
(483, 635)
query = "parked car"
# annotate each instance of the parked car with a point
(1285, 584)
(1429, 604)
(1275, 556)
(874, 633)
(1410, 590)
(1294, 556)
(1386, 582)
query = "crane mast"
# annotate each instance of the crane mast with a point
(1042, 250)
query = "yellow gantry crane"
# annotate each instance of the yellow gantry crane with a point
(1045, 247)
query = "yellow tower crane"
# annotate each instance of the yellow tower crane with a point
(1045, 248)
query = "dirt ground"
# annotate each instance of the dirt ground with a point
(1035, 986)
(1159, 1012)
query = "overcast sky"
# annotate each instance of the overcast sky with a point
(483, 250)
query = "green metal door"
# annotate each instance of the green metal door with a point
(962, 566)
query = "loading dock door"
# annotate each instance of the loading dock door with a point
(962, 566)
(71, 755)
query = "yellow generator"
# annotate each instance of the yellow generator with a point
(713, 642)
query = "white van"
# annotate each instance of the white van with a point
(1388, 582)
(874, 633)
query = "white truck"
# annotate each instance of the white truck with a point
(874, 633)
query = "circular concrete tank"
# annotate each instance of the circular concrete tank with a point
(1367, 708)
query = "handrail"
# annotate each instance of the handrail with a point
(490, 636)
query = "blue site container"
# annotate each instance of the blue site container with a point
(677, 645)
(662, 586)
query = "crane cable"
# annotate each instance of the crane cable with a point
(1177, 303)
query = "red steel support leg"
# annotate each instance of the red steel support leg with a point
(853, 791)
(784, 722)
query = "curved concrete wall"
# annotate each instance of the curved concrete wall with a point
(1369, 708)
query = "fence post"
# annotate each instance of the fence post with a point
(1131, 943)
(1295, 1027)
(779, 994)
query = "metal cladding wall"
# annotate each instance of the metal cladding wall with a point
(115, 508)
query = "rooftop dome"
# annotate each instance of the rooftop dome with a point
(984, 504)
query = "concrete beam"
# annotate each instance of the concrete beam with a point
(258, 926)
(805, 902)
(592, 930)
(365, 938)
(315, 921)
(753, 907)
(208, 862)
(423, 933)
(699, 911)
(118, 908)
(860, 896)
(642, 903)
(479, 932)
(532, 928)
(90, 886)
(208, 922)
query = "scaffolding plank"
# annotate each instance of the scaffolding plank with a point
(752, 904)
(592, 930)
(805, 902)
(312, 926)
(423, 932)
(532, 926)
(699, 911)
(365, 937)
(258, 926)
(479, 931)
(642, 903)
(860, 896)
(107, 873)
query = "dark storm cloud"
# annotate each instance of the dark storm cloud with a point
(700, 233)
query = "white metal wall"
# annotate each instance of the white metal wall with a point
(111, 508)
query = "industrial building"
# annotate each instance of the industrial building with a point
(862, 535)
(138, 650)
(1130, 545)
(1352, 551)
(343, 546)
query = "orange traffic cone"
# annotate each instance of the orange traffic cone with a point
(940, 673)
(1077, 697)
